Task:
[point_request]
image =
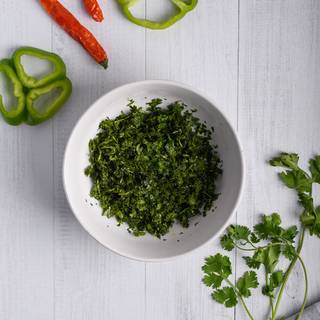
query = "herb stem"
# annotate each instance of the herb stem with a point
(305, 290)
(288, 272)
(270, 298)
(252, 245)
(244, 249)
(241, 299)
(256, 248)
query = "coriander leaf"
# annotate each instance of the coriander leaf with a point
(275, 280)
(225, 296)
(246, 282)
(294, 177)
(238, 232)
(286, 160)
(290, 233)
(235, 233)
(297, 180)
(316, 227)
(216, 269)
(270, 257)
(306, 201)
(315, 168)
(212, 280)
(269, 227)
(289, 251)
(251, 262)
(312, 221)
(227, 243)
(254, 238)
(266, 291)
(258, 256)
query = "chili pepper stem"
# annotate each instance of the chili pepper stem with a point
(105, 64)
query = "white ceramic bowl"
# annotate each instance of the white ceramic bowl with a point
(179, 241)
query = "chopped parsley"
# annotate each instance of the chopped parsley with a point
(152, 167)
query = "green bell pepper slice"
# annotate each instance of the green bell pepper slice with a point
(14, 115)
(35, 116)
(30, 82)
(183, 8)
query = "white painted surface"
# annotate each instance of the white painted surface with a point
(179, 240)
(259, 60)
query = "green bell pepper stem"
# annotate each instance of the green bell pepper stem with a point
(183, 9)
(35, 116)
(59, 71)
(13, 115)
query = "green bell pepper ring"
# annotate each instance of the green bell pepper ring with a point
(8, 62)
(30, 82)
(183, 8)
(35, 116)
(14, 115)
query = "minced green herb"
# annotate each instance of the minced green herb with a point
(153, 167)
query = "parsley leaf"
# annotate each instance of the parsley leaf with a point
(246, 282)
(225, 296)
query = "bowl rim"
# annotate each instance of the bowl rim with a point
(238, 142)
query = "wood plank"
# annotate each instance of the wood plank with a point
(278, 107)
(90, 281)
(26, 237)
(202, 51)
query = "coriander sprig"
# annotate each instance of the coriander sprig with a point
(267, 243)
(217, 270)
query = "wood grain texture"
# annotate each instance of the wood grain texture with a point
(26, 228)
(90, 281)
(278, 107)
(200, 51)
(257, 59)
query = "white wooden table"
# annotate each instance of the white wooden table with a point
(260, 62)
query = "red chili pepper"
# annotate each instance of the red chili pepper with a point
(76, 30)
(94, 10)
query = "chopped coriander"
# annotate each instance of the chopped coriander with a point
(153, 167)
